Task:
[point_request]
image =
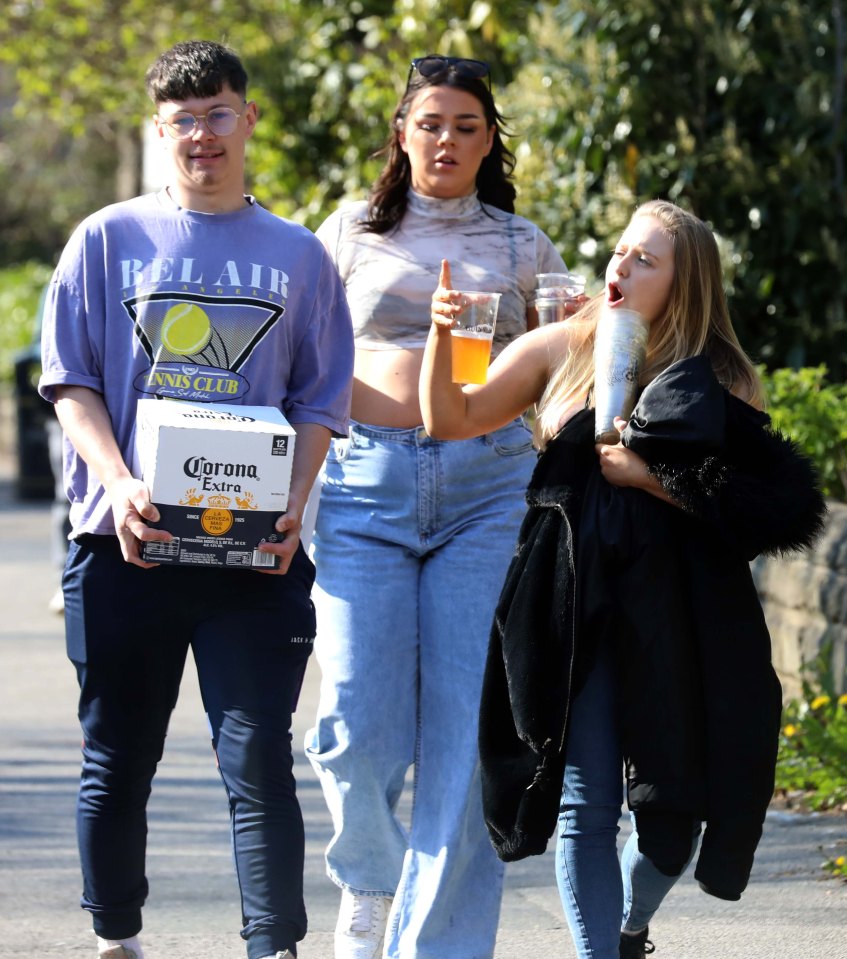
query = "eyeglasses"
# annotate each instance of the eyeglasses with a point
(221, 122)
(432, 65)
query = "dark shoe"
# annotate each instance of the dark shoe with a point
(636, 947)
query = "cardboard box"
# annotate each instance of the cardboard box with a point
(219, 475)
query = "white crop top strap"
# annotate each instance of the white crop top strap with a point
(390, 278)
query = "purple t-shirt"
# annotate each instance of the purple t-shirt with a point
(152, 300)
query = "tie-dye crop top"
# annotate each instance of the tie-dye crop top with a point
(390, 278)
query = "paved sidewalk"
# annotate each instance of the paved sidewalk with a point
(789, 910)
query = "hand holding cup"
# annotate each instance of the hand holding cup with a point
(558, 296)
(470, 315)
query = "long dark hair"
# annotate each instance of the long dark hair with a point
(388, 199)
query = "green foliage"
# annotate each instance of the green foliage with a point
(837, 865)
(732, 108)
(812, 759)
(813, 412)
(20, 297)
(327, 114)
(326, 76)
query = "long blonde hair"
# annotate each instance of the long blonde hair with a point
(696, 321)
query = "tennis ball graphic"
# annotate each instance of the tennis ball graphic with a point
(186, 329)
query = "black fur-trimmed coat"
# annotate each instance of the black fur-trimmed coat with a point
(672, 588)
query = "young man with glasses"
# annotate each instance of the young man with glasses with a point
(175, 295)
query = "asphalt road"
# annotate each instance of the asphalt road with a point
(791, 909)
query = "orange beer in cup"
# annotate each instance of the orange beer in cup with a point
(472, 335)
(471, 355)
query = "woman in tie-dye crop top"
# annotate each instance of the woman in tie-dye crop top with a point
(414, 535)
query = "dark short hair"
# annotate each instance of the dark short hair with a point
(195, 68)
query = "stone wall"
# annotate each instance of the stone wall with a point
(805, 603)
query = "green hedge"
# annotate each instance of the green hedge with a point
(813, 412)
(20, 295)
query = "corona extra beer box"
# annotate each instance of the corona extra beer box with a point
(219, 475)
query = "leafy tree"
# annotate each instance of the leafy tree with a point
(89, 78)
(325, 73)
(733, 109)
(330, 109)
(813, 412)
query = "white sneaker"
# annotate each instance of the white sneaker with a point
(57, 601)
(360, 930)
(119, 948)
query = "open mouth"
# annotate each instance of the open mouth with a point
(445, 161)
(614, 293)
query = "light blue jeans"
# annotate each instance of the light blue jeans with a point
(412, 543)
(597, 890)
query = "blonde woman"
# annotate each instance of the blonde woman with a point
(629, 635)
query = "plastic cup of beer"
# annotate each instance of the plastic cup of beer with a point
(553, 291)
(472, 335)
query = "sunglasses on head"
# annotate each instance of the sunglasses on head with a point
(432, 65)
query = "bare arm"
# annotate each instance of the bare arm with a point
(516, 378)
(621, 466)
(309, 452)
(85, 419)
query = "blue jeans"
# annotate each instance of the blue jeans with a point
(412, 543)
(128, 633)
(600, 895)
